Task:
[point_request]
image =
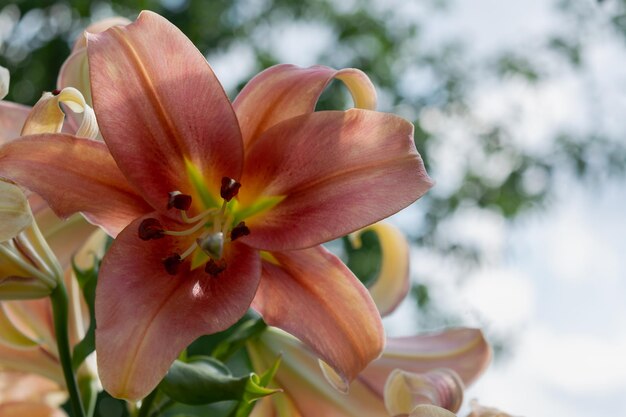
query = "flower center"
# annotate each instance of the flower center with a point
(212, 229)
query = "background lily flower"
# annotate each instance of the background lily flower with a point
(29, 395)
(306, 393)
(193, 247)
(12, 115)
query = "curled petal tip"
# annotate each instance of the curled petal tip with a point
(405, 390)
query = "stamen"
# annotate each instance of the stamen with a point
(151, 228)
(229, 189)
(239, 231)
(187, 232)
(212, 245)
(56, 92)
(200, 216)
(172, 263)
(179, 201)
(214, 268)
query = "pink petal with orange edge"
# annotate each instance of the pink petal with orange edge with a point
(159, 104)
(463, 350)
(323, 304)
(285, 91)
(72, 175)
(146, 317)
(12, 117)
(338, 171)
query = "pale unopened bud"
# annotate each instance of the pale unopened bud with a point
(15, 214)
(4, 82)
(405, 390)
(28, 268)
(426, 410)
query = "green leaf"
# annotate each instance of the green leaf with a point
(245, 407)
(87, 280)
(205, 380)
(238, 338)
(365, 261)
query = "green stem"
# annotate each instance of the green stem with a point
(60, 312)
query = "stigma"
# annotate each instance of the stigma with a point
(212, 230)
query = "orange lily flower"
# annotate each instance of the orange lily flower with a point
(214, 204)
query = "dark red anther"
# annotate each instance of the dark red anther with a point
(214, 268)
(229, 189)
(179, 201)
(150, 229)
(56, 92)
(172, 263)
(238, 231)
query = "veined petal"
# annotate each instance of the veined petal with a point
(12, 117)
(482, 411)
(97, 27)
(463, 350)
(75, 70)
(285, 91)
(392, 284)
(139, 306)
(73, 174)
(324, 305)
(338, 171)
(169, 102)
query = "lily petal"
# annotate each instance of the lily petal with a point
(5, 80)
(12, 117)
(306, 393)
(97, 27)
(463, 350)
(392, 284)
(285, 91)
(171, 102)
(405, 390)
(324, 305)
(47, 116)
(73, 174)
(15, 214)
(338, 172)
(20, 409)
(139, 306)
(425, 410)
